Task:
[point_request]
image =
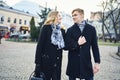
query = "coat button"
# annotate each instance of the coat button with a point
(55, 65)
(78, 54)
(57, 57)
(80, 46)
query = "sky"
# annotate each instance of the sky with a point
(66, 5)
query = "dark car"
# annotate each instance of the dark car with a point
(111, 37)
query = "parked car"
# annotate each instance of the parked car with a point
(24, 36)
(17, 35)
(14, 35)
(112, 38)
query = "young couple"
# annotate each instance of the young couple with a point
(78, 40)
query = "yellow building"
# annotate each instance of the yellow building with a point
(15, 20)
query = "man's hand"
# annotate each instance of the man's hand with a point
(96, 68)
(81, 40)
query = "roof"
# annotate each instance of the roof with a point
(10, 9)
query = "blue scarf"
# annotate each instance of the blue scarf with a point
(56, 37)
(81, 25)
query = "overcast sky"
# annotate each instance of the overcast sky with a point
(66, 5)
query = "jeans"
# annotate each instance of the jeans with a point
(71, 78)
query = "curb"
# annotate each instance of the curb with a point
(115, 55)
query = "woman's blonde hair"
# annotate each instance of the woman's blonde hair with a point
(51, 18)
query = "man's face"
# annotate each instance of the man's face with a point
(77, 17)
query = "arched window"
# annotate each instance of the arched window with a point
(15, 20)
(2, 19)
(20, 21)
(9, 19)
(25, 22)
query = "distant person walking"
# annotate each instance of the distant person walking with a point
(7, 36)
(80, 37)
(0, 36)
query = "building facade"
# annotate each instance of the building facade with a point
(95, 21)
(67, 20)
(12, 20)
(36, 8)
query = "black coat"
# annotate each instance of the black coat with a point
(47, 54)
(79, 57)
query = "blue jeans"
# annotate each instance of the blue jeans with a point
(71, 78)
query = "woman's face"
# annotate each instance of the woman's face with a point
(59, 18)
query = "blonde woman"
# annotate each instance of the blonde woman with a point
(48, 58)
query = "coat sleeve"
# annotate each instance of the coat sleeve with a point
(63, 34)
(40, 45)
(95, 48)
(70, 42)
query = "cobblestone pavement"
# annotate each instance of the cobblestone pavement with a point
(17, 62)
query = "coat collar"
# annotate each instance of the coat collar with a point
(76, 27)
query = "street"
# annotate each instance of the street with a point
(17, 62)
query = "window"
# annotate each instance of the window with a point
(9, 19)
(2, 19)
(20, 21)
(15, 20)
(25, 22)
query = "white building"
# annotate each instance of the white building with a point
(13, 19)
(36, 8)
(67, 20)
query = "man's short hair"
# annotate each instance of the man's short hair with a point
(81, 11)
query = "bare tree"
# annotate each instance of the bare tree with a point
(104, 17)
(115, 15)
(111, 13)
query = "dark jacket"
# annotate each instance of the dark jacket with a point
(79, 57)
(47, 54)
(0, 35)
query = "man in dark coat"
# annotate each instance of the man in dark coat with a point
(80, 37)
(0, 36)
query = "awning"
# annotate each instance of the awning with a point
(3, 28)
(24, 28)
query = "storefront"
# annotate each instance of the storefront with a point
(4, 29)
(24, 29)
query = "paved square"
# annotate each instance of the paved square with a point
(17, 62)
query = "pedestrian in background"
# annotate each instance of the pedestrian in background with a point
(48, 58)
(0, 36)
(7, 36)
(80, 38)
